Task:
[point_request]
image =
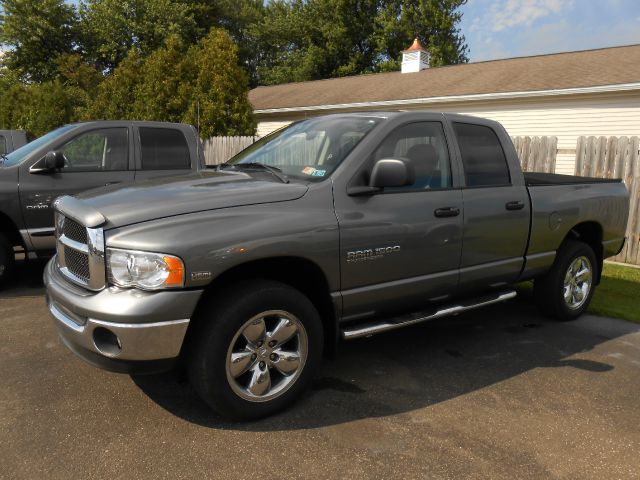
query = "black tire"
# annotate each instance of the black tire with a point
(221, 319)
(549, 290)
(7, 259)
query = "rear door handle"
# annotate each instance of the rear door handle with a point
(517, 205)
(446, 212)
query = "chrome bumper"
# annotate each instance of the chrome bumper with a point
(116, 329)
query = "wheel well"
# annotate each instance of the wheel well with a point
(9, 228)
(296, 272)
(591, 234)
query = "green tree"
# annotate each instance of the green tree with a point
(111, 28)
(36, 108)
(201, 84)
(36, 31)
(164, 88)
(237, 17)
(314, 39)
(12, 92)
(219, 101)
(80, 80)
(116, 94)
(434, 22)
(49, 106)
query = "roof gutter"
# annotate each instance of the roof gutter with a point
(460, 98)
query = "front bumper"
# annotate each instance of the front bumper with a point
(120, 330)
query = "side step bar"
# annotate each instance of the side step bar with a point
(369, 329)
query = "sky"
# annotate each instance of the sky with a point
(514, 28)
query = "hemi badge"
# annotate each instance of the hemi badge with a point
(200, 276)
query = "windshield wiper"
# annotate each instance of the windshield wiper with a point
(3, 158)
(275, 171)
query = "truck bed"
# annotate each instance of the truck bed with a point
(536, 179)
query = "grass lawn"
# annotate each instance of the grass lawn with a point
(618, 294)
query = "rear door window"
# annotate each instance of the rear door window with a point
(483, 159)
(164, 149)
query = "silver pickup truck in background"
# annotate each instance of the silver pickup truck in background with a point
(75, 158)
(336, 227)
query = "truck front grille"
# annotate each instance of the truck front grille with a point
(80, 253)
(73, 230)
(77, 264)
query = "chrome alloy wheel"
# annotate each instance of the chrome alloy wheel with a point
(266, 356)
(577, 282)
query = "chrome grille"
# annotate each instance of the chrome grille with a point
(80, 252)
(77, 263)
(73, 230)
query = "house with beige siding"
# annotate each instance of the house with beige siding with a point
(567, 95)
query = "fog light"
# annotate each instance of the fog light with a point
(106, 342)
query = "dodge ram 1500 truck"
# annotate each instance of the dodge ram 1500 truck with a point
(79, 157)
(335, 227)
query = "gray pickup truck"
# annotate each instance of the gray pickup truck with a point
(336, 227)
(78, 157)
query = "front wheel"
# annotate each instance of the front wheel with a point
(257, 349)
(567, 289)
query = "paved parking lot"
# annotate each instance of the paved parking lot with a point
(498, 393)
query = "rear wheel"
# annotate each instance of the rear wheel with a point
(567, 289)
(7, 259)
(256, 350)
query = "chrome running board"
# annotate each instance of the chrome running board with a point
(369, 329)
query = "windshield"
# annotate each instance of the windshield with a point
(310, 149)
(21, 153)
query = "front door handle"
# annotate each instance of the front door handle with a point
(110, 183)
(516, 205)
(446, 212)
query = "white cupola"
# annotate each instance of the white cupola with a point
(414, 58)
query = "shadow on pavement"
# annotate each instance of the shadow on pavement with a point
(26, 280)
(413, 368)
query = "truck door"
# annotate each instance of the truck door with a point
(401, 247)
(93, 158)
(496, 210)
(162, 152)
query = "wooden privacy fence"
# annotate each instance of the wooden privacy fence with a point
(220, 149)
(616, 157)
(537, 154)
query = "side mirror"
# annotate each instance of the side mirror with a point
(392, 172)
(54, 160)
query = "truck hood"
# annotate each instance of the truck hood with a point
(166, 197)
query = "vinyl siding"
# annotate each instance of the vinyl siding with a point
(265, 128)
(566, 118)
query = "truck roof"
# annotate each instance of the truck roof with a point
(146, 123)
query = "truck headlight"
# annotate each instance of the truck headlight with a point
(145, 270)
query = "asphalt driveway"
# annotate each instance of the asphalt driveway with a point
(497, 393)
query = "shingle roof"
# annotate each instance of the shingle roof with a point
(607, 66)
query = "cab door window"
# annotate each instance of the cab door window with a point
(106, 149)
(423, 144)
